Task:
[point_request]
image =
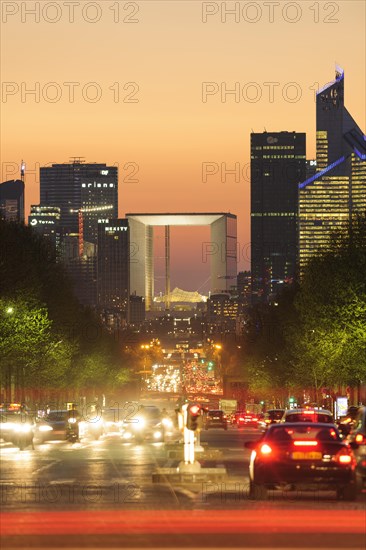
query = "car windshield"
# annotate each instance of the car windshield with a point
(152, 413)
(55, 416)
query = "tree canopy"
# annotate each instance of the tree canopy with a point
(47, 339)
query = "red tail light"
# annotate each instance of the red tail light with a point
(344, 457)
(255, 418)
(265, 449)
(306, 443)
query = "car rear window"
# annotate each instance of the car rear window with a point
(215, 413)
(303, 417)
(274, 415)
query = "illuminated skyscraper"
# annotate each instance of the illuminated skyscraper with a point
(328, 198)
(45, 220)
(278, 165)
(113, 270)
(83, 192)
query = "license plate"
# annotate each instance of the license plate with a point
(216, 418)
(306, 456)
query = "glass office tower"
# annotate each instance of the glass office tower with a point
(328, 198)
(278, 165)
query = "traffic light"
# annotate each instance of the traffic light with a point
(210, 365)
(194, 417)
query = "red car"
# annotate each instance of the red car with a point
(298, 455)
(244, 418)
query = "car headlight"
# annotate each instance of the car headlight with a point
(7, 426)
(22, 428)
(127, 435)
(167, 423)
(72, 420)
(45, 428)
(141, 423)
(157, 435)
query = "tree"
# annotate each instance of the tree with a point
(329, 339)
(47, 337)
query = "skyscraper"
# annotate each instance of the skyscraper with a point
(12, 201)
(328, 198)
(113, 270)
(278, 165)
(45, 220)
(83, 192)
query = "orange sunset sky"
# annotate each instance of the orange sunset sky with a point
(169, 49)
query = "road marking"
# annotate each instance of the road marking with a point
(42, 468)
(61, 481)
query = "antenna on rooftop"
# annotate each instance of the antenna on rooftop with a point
(22, 170)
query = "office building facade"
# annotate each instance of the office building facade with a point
(83, 192)
(337, 190)
(278, 165)
(113, 270)
(45, 220)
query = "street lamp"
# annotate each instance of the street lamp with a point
(145, 347)
(9, 383)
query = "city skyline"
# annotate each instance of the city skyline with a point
(175, 143)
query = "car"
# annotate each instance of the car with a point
(357, 440)
(57, 423)
(215, 418)
(272, 416)
(113, 421)
(307, 415)
(93, 425)
(144, 425)
(301, 455)
(17, 428)
(247, 419)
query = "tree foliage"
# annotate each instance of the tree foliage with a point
(46, 337)
(314, 335)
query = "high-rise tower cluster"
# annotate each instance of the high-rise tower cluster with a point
(297, 204)
(329, 198)
(80, 202)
